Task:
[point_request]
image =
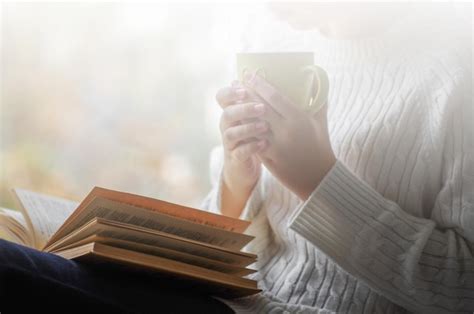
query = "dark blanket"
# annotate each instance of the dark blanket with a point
(34, 281)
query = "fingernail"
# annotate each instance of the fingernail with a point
(240, 93)
(259, 108)
(261, 125)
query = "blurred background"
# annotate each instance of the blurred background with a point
(122, 95)
(118, 95)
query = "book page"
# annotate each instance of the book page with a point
(14, 228)
(44, 214)
(153, 205)
(110, 229)
(115, 211)
(220, 283)
(179, 256)
(179, 211)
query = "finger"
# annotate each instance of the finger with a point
(229, 95)
(238, 112)
(271, 95)
(245, 151)
(234, 135)
(272, 117)
(271, 114)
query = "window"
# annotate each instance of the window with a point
(118, 95)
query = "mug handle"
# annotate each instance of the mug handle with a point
(317, 98)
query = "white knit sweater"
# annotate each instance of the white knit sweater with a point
(390, 229)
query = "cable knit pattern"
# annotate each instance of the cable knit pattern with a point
(390, 229)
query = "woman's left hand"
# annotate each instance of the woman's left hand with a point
(298, 151)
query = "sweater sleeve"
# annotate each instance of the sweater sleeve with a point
(212, 201)
(425, 265)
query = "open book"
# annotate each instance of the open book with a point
(134, 231)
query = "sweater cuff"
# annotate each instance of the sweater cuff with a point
(326, 218)
(350, 222)
(330, 220)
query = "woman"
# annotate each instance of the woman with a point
(368, 205)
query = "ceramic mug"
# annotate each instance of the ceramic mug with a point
(292, 73)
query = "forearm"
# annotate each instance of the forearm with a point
(234, 196)
(232, 204)
(223, 200)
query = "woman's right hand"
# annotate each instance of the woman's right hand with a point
(243, 136)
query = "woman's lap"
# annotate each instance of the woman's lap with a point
(30, 278)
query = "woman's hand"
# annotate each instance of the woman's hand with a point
(243, 136)
(299, 151)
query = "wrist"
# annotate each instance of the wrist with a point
(234, 196)
(324, 169)
(233, 181)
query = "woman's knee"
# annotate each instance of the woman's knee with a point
(10, 252)
(24, 258)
